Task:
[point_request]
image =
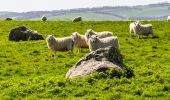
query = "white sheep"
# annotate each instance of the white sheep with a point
(96, 43)
(102, 34)
(168, 18)
(132, 26)
(79, 40)
(143, 29)
(77, 19)
(59, 44)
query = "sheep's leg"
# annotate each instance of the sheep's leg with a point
(79, 50)
(138, 36)
(55, 54)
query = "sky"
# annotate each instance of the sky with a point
(48, 5)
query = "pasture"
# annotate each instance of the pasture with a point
(28, 70)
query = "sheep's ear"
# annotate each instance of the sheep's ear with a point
(77, 33)
(135, 23)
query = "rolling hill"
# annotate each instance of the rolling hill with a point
(141, 12)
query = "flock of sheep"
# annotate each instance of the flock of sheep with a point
(94, 40)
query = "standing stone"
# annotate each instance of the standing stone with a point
(103, 58)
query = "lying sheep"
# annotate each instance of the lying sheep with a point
(96, 43)
(44, 18)
(168, 18)
(79, 40)
(59, 44)
(103, 34)
(143, 29)
(77, 19)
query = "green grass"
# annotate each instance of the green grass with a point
(28, 70)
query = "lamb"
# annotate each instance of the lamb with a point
(96, 43)
(59, 44)
(168, 18)
(79, 40)
(44, 18)
(77, 19)
(103, 34)
(143, 29)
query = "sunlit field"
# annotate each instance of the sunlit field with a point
(29, 71)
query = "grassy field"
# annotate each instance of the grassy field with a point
(28, 70)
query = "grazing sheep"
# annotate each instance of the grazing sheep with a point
(79, 40)
(96, 43)
(59, 44)
(103, 34)
(143, 29)
(77, 19)
(168, 18)
(44, 18)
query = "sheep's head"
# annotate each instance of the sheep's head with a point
(89, 33)
(49, 37)
(74, 36)
(137, 24)
(93, 39)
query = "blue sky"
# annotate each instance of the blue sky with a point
(37, 5)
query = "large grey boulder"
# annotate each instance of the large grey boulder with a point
(24, 34)
(101, 59)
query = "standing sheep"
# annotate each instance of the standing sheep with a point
(168, 18)
(132, 26)
(79, 40)
(59, 44)
(77, 19)
(103, 34)
(96, 43)
(143, 29)
(44, 18)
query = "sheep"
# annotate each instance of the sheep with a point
(103, 34)
(77, 19)
(143, 29)
(79, 40)
(59, 44)
(96, 43)
(168, 18)
(44, 18)
(132, 26)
